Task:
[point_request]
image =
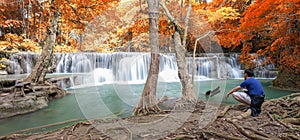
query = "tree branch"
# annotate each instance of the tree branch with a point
(186, 24)
(176, 24)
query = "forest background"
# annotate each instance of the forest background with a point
(253, 28)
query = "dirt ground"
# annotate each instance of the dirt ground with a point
(280, 119)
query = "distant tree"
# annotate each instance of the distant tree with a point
(35, 17)
(73, 12)
(270, 28)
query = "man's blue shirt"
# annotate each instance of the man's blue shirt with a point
(253, 86)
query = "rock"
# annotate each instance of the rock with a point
(22, 105)
(6, 105)
(36, 96)
(42, 102)
(287, 80)
(12, 67)
(7, 82)
(3, 72)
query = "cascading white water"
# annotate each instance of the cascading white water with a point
(23, 62)
(133, 67)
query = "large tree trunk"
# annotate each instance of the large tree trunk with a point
(44, 61)
(148, 102)
(180, 45)
(186, 82)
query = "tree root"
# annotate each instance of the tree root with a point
(226, 136)
(74, 127)
(145, 110)
(49, 125)
(246, 133)
(261, 133)
(89, 130)
(284, 124)
(270, 116)
(179, 137)
(269, 124)
(185, 104)
(294, 95)
(293, 136)
(295, 121)
(222, 113)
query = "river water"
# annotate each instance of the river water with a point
(111, 101)
(109, 85)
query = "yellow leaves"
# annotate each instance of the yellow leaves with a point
(228, 13)
(13, 37)
(221, 14)
(31, 45)
(63, 48)
(104, 48)
(2, 66)
(4, 43)
(16, 43)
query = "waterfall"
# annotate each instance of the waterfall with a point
(133, 67)
(23, 62)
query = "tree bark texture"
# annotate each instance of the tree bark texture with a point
(186, 82)
(148, 102)
(44, 61)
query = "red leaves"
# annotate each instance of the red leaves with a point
(270, 27)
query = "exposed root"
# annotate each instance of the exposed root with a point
(247, 133)
(47, 126)
(270, 116)
(270, 124)
(74, 127)
(261, 133)
(146, 110)
(293, 136)
(185, 104)
(284, 124)
(179, 137)
(226, 136)
(225, 110)
(295, 121)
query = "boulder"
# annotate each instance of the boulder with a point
(12, 67)
(3, 72)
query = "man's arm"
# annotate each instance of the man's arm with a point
(233, 90)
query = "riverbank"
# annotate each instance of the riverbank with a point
(18, 97)
(277, 121)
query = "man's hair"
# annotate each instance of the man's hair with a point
(249, 72)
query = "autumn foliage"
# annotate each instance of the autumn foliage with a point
(261, 28)
(29, 19)
(270, 28)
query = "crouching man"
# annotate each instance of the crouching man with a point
(252, 95)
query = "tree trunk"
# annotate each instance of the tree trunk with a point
(44, 61)
(148, 102)
(186, 82)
